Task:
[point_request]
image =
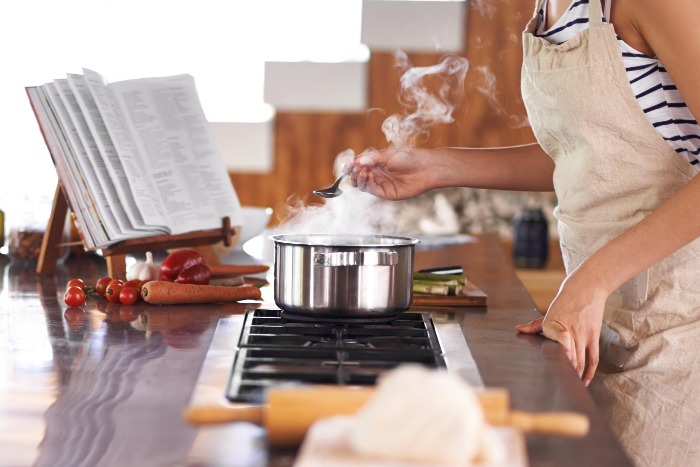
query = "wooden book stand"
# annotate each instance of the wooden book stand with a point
(115, 255)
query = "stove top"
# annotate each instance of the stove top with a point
(276, 348)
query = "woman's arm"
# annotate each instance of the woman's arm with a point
(400, 173)
(575, 315)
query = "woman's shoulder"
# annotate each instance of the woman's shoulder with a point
(640, 23)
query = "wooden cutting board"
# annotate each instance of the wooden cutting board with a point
(471, 296)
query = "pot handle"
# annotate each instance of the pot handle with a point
(356, 258)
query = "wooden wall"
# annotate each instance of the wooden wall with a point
(306, 144)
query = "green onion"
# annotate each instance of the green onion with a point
(430, 288)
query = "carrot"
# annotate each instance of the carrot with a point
(224, 270)
(171, 293)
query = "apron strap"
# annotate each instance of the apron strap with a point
(532, 24)
(595, 12)
(608, 4)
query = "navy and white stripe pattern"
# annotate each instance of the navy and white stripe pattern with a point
(652, 86)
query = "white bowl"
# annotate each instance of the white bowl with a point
(256, 220)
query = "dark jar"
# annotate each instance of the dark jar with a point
(530, 239)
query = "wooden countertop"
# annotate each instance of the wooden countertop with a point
(109, 388)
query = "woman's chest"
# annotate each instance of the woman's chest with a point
(620, 13)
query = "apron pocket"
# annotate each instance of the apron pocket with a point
(612, 350)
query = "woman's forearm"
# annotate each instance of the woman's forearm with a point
(671, 226)
(516, 168)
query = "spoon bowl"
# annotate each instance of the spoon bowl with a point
(331, 191)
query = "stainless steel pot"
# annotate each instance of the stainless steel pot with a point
(343, 275)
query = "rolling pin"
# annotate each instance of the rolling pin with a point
(289, 412)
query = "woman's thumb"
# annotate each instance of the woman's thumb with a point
(533, 327)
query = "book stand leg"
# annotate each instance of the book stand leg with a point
(116, 266)
(51, 243)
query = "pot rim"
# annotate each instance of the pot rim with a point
(344, 240)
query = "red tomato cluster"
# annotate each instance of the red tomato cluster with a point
(114, 290)
(118, 291)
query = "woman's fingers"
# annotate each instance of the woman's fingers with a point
(365, 171)
(582, 351)
(533, 327)
(574, 319)
(558, 333)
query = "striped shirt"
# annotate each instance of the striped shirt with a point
(652, 86)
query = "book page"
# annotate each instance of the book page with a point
(116, 219)
(179, 151)
(103, 140)
(139, 180)
(82, 167)
(59, 150)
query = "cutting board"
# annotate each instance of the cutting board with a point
(326, 444)
(471, 296)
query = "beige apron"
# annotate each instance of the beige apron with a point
(612, 170)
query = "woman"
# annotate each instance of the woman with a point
(610, 89)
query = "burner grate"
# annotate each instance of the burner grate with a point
(274, 350)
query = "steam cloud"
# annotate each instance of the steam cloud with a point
(429, 96)
(425, 108)
(425, 104)
(487, 86)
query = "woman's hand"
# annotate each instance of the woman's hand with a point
(574, 320)
(401, 173)
(393, 173)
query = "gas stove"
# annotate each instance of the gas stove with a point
(246, 356)
(277, 348)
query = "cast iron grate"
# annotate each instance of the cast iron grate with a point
(276, 350)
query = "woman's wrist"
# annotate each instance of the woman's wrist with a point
(448, 167)
(594, 275)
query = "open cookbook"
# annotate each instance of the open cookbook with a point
(134, 158)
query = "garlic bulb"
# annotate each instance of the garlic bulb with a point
(421, 415)
(144, 270)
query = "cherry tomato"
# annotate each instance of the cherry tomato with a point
(76, 283)
(102, 284)
(113, 289)
(74, 296)
(134, 283)
(74, 316)
(128, 295)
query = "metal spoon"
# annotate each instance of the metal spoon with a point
(333, 190)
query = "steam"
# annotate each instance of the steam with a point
(339, 215)
(487, 86)
(485, 7)
(424, 108)
(429, 96)
(354, 212)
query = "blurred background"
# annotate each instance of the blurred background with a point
(287, 85)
